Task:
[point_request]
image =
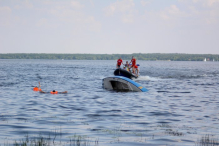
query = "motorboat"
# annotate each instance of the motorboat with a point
(120, 83)
(125, 73)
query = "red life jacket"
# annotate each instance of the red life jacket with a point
(133, 62)
(119, 61)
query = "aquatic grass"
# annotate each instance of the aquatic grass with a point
(37, 141)
(76, 140)
(173, 133)
(207, 140)
(53, 139)
(118, 135)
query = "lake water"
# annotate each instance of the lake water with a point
(180, 108)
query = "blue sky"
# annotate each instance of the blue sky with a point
(109, 26)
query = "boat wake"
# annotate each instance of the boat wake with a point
(147, 78)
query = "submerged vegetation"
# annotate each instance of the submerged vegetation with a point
(54, 138)
(139, 56)
(39, 141)
(207, 140)
(76, 140)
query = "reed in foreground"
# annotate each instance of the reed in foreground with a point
(76, 140)
(207, 140)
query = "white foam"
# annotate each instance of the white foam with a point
(147, 78)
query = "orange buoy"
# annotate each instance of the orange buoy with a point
(54, 92)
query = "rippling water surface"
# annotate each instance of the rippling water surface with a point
(181, 106)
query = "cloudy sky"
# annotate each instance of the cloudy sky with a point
(109, 26)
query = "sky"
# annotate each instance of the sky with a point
(109, 26)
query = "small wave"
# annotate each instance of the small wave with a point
(185, 76)
(194, 76)
(190, 76)
(38, 76)
(5, 84)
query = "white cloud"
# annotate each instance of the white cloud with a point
(5, 16)
(66, 15)
(193, 10)
(91, 2)
(164, 16)
(127, 18)
(212, 2)
(76, 4)
(144, 2)
(205, 3)
(93, 25)
(120, 6)
(27, 4)
(125, 8)
(195, 1)
(5, 10)
(42, 22)
(204, 11)
(172, 13)
(21, 4)
(212, 16)
(173, 10)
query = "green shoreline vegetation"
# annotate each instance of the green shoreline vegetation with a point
(139, 56)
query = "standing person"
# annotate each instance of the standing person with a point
(136, 67)
(133, 61)
(119, 62)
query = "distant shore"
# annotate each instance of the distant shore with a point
(139, 56)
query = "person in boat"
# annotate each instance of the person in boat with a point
(136, 70)
(126, 66)
(133, 66)
(37, 88)
(54, 92)
(119, 62)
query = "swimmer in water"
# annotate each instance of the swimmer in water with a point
(37, 88)
(54, 92)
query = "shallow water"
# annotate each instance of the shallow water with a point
(181, 106)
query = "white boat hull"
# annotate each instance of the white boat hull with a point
(122, 84)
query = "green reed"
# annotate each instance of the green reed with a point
(207, 140)
(76, 140)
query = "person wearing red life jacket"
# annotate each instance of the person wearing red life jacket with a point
(119, 62)
(136, 69)
(134, 66)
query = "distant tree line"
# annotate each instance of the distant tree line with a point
(139, 56)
